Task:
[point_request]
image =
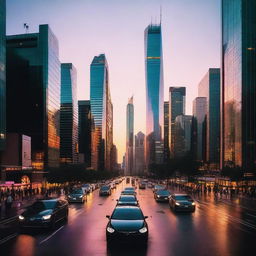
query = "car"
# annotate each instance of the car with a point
(157, 187)
(128, 192)
(129, 189)
(76, 195)
(150, 185)
(127, 200)
(182, 202)
(44, 213)
(127, 224)
(162, 195)
(105, 190)
(87, 188)
(142, 185)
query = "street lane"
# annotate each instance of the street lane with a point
(218, 227)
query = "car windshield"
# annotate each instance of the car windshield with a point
(42, 205)
(77, 191)
(105, 188)
(158, 187)
(127, 214)
(183, 197)
(129, 189)
(127, 198)
(163, 192)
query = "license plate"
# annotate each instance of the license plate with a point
(186, 206)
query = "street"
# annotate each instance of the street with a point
(218, 227)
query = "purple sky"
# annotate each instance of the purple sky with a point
(85, 28)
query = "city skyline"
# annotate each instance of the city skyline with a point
(201, 27)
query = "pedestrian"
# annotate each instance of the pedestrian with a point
(8, 202)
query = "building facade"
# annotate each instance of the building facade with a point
(84, 131)
(166, 131)
(33, 84)
(102, 114)
(182, 135)
(139, 156)
(129, 165)
(154, 150)
(68, 115)
(238, 84)
(199, 115)
(177, 103)
(209, 87)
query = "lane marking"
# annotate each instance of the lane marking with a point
(49, 237)
(251, 215)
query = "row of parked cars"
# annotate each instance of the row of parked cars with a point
(127, 222)
(177, 202)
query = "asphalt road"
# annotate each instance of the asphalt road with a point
(218, 227)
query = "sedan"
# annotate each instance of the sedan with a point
(127, 224)
(162, 195)
(44, 213)
(105, 190)
(76, 196)
(157, 187)
(128, 192)
(182, 202)
(127, 200)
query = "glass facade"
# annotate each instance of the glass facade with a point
(154, 94)
(177, 103)
(199, 115)
(68, 115)
(84, 130)
(166, 131)
(129, 137)
(33, 79)
(102, 114)
(2, 74)
(139, 156)
(182, 135)
(238, 88)
(209, 87)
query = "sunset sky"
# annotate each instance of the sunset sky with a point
(85, 28)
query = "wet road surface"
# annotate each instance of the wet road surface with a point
(218, 227)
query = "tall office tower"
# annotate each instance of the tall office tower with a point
(199, 115)
(102, 114)
(139, 156)
(84, 131)
(182, 135)
(68, 115)
(166, 131)
(2, 81)
(33, 93)
(114, 156)
(154, 95)
(209, 87)
(177, 103)
(238, 87)
(129, 137)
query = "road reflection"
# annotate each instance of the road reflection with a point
(24, 246)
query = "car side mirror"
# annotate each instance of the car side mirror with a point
(145, 217)
(107, 216)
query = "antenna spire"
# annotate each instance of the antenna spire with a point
(160, 14)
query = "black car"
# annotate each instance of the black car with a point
(182, 202)
(127, 200)
(162, 195)
(76, 195)
(105, 190)
(127, 224)
(44, 213)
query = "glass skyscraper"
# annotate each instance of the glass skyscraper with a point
(154, 95)
(177, 103)
(84, 130)
(33, 93)
(199, 115)
(129, 137)
(238, 87)
(209, 87)
(166, 131)
(68, 115)
(2, 75)
(102, 114)
(139, 156)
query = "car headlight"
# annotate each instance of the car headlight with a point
(158, 196)
(110, 230)
(81, 196)
(69, 196)
(21, 217)
(193, 203)
(143, 230)
(47, 217)
(177, 203)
